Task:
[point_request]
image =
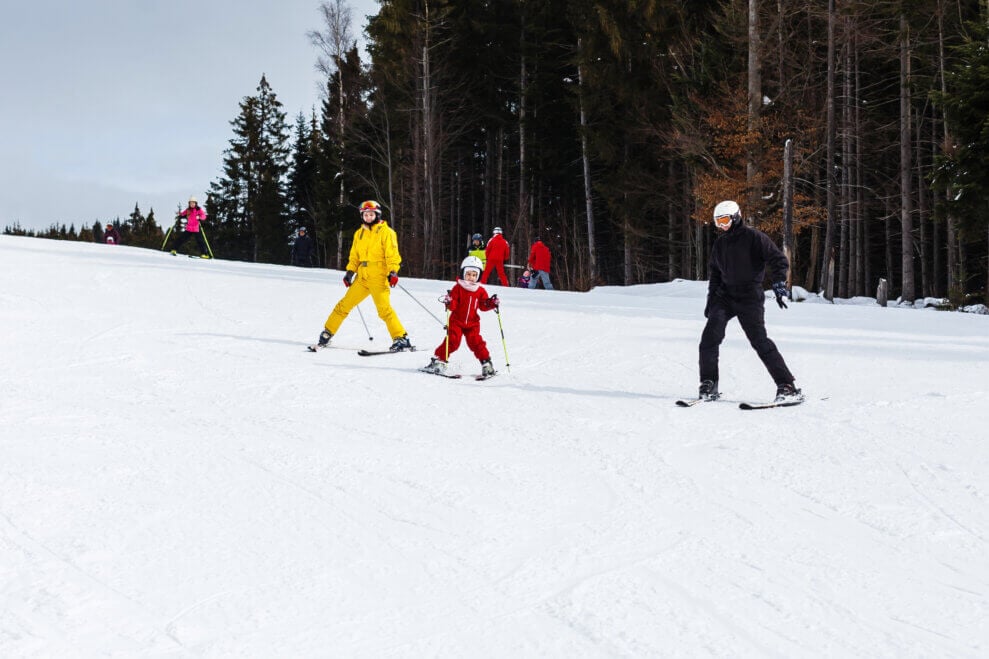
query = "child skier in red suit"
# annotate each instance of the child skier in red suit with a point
(464, 301)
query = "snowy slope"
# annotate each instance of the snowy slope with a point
(178, 477)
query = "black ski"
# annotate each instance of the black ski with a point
(767, 406)
(373, 353)
(482, 376)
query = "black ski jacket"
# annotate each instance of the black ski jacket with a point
(302, 251)
(739, 260)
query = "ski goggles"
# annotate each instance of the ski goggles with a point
(723, 221)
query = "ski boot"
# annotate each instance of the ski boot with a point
(324, 339)
(787, 393)
(487, 370)
(708, 390)
(435, 365)
(401, 343)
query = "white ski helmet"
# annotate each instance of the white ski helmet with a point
(471, 263)
(726, 214)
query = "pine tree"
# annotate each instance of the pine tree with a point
(248, 203)
(965, 169)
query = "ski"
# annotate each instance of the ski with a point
(766, 406)
(315, 347)
(373, 353)
(693, 401)
(482, 377)
(449, 376)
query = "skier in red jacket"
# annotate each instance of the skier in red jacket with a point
(496, 253)
(539, 260)
(464, 301)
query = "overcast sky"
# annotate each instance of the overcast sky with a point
(108, 103)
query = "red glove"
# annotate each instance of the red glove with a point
(494, 301)
(446, 300)
(348, 278)
(392, 279)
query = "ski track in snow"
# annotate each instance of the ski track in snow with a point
(181, 477)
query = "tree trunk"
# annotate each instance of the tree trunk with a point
(922, 214)
(906, 216)
(846, 157)
(952, 265)
(585, 157)
(815, 247)
(864, 279)
(524, 216)
(754, 109)
(829, 235)
(788, 209)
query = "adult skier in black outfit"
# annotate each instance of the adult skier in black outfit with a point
(736, 270)
(302, 249)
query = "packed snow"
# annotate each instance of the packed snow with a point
(179, 477)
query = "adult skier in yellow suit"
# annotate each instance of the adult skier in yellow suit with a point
(372, 270)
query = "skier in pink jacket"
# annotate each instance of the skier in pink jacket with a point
(192, 216)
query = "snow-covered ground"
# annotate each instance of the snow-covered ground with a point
(178, 477)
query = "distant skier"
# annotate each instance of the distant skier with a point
(192, 217)
(302, 249)
(524, 279)
(463, 302)
(539, 261)
(111, 236)
(736, 269)
(477, 247)
(372, 270)
(496, 253)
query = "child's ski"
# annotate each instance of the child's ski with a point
(449, 376)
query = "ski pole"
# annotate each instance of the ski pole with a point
(503, 344)
(421, 304)
(167, 234)
(447, 328)
(361, 314)
(208, 248)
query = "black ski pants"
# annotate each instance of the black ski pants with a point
(751, 316)
(184, 236)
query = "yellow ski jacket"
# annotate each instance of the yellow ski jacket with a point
(375, 251)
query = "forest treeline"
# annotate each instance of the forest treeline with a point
(855, 133)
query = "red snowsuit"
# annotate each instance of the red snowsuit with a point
(465, 322)
(496, 254)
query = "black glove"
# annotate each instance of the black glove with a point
(348, 278)
(779, 288)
